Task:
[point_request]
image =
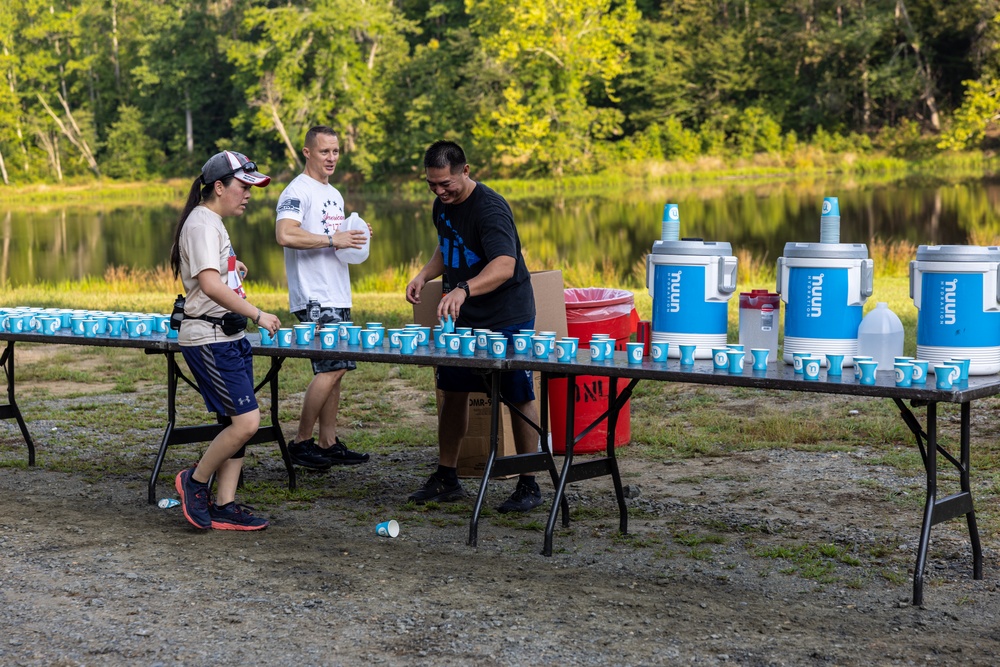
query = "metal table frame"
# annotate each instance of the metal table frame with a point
(780, 377)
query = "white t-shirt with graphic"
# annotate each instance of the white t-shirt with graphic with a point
(315, 273)
(204, 244)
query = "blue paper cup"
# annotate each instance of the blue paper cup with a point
(408, 342)
(596, 350)
(904, 373)
(735, 359)
(328, 339)
(760, 355)
(134, 327)
(353, 334)
(540, 347)
(115, 324)
(498, 347)
(148, 324)
(447, 324)
(438, 334)
(609, 349)
(467, 345)
(720, 360)
(797, 358)
(919, 371)
(835, 364)
(564, 351)
(171, 333)
(388, 528)
(303, 334)
(810, 367)
(955, 372)
(868, 372)
(342, 332)
(857, 366)
(658, 352)
(634, 351)
(963, 365)
(687, 354)
(393, 336)
(452, 343)
(522, 343)
(482, 338)
(942, 375)
(266, 338)
(369, 339)
(423, 336)
(284, 337)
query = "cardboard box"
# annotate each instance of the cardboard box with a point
(550, 315)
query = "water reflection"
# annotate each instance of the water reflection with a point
(616, 228)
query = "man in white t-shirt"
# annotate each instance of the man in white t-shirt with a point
(310, 214)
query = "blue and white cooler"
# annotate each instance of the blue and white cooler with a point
(691, 282)
(824, 287)
(954, 288)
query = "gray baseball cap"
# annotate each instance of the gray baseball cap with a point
(237, 165)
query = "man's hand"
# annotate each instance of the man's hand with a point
(413, 289)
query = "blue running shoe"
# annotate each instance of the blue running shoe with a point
(194, 499)
(235, 517)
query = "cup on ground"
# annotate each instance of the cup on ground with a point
(388, 528)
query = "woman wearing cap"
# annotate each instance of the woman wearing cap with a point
(219, 358)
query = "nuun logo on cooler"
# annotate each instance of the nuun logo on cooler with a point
(815, 296)
(674, 291)
(949, 294)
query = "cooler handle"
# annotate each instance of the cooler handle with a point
(867, 277)
(777, 282)
(913, 268)
(727, 275)
(998, 283)
(649, 273)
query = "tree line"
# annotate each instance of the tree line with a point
(134, 89)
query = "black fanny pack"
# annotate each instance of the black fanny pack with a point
(231, 323)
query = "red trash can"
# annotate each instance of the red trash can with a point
(591, 310)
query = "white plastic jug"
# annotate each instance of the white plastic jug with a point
(880, 336)
(354, 223)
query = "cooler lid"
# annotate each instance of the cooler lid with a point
(826, 250)
(693, 247)
(958, 253)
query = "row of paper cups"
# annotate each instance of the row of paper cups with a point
(87, 323)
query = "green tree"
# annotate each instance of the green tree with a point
(129, 152)
(555, 54)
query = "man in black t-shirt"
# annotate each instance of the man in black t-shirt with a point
(479, 255)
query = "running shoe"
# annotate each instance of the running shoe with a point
(435, 490)
(235, 517)
(194, 499)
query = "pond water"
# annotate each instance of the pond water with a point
(617, 227)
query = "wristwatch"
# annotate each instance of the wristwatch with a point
(464, 285)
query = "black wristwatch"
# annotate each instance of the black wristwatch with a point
(464, 285)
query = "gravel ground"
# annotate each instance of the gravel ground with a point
(762, 558)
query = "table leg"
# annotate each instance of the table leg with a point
(613, 460)
(490, 459)
(939, 510)
(11, 411)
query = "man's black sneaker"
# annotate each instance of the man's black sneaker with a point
(308, 455)
(340, 455)
(235, 517)
(436, 490)
(526, 497)
(194, 499)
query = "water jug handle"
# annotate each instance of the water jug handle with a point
(727, 275)
(867, 277)
(777, 281)
(913, 268)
